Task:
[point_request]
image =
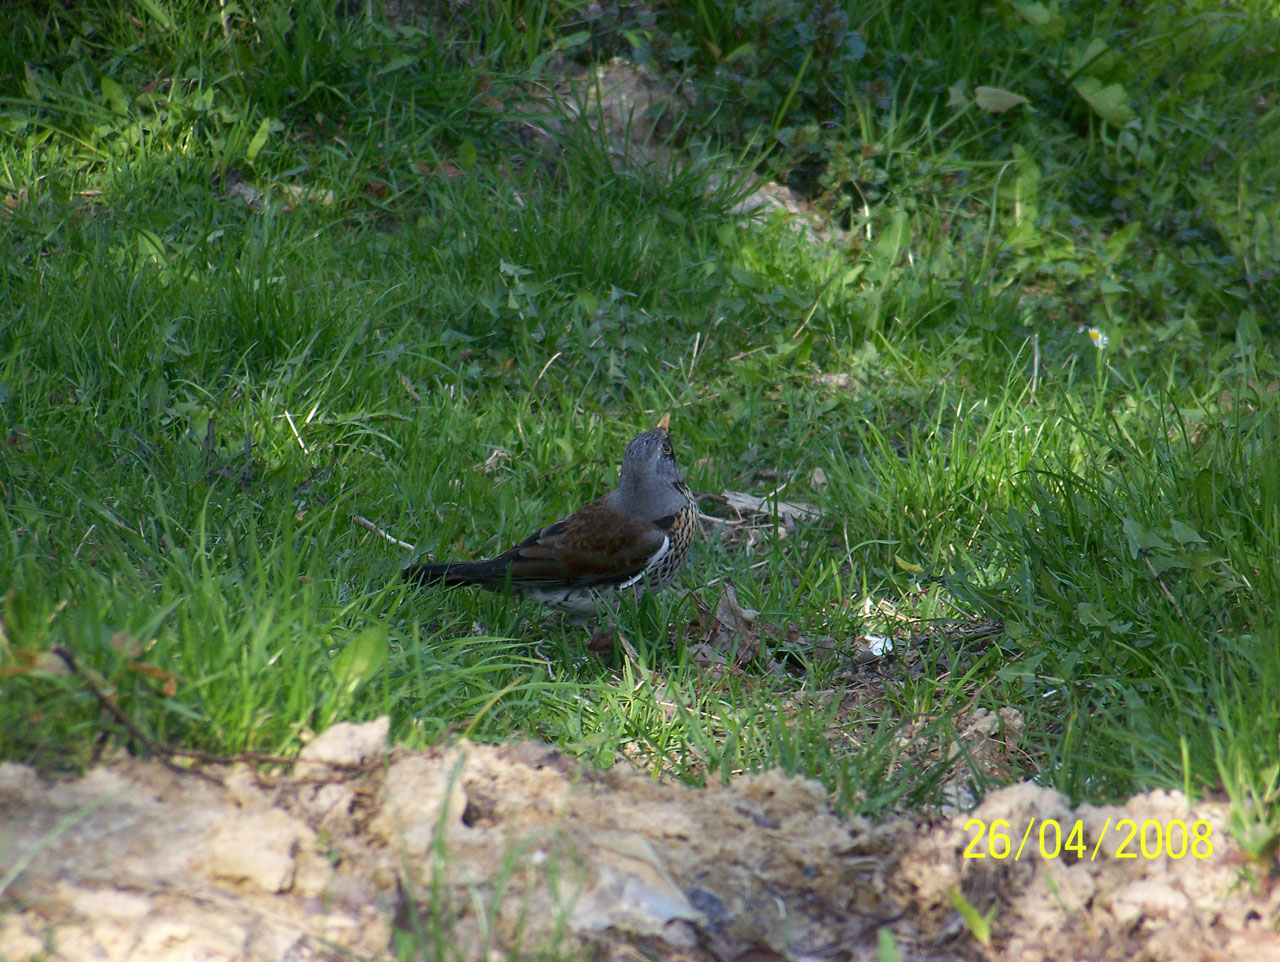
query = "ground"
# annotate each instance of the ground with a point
(478, 851)
(298, 286)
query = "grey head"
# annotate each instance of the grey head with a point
(651, 485)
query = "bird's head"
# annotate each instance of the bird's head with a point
(651, 484)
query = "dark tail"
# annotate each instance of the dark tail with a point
(454, 573)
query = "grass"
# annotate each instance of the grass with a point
(268, 273)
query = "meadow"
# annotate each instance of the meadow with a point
(267, 267)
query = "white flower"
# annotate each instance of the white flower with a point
(1099, 339)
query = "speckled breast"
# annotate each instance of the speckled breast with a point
(683, 527)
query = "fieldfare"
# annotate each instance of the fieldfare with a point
(635, 537)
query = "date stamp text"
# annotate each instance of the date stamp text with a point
(1050, 839)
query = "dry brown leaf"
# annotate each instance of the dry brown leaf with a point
(13, 201)
(169, 684)
(789, 512)
(125, 644)
(603, 641)
(246, 192)
(31, 660)
(730, 635)
(494, 460)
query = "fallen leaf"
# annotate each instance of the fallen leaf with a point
(492, 462)
(730, 635)
(31, 660)
(996, 100)
(602, 641)
(123, 643)
(13, 201)
(246, 192)
(788, 511)
(169, 684)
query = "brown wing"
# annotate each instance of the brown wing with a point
(592, 547)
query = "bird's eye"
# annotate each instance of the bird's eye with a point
(667, 449)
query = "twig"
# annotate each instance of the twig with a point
(739, 357)
(630, 653)
(165, 753)
(544, 368)
(1164, 590)
(369, 525)
(83, 540)
(543, 657)
(160, 751)
(702, 516)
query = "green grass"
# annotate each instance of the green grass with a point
(198, 393)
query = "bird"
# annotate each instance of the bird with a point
(634, 538)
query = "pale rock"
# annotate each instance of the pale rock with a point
(345, 744)
(105, 903)
(258, 848)
(418, 791)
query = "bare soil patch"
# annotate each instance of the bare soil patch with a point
(512, 850)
